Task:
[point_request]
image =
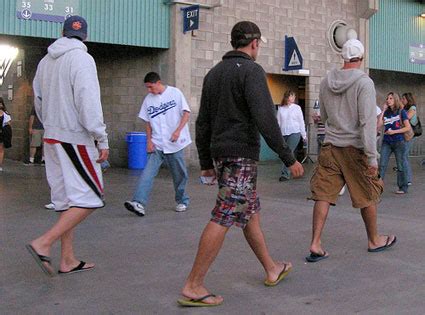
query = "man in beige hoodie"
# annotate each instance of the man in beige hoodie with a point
(348, 155)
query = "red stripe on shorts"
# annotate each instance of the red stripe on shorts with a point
(51, 141)
(87, 162)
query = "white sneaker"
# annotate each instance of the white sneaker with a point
(135, 207)
(50, 206)
(342, 191)
(181, 207)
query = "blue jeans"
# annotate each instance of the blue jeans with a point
(399, 149)
(177, 167)
(409, 144)
(292, 140)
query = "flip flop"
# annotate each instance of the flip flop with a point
(386, 246)
(315, 257)
(282, 275)
(198, 302)
(41, 260)
(79, 268)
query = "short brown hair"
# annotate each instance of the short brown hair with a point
(243, 33)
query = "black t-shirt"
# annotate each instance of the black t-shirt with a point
(37, 123)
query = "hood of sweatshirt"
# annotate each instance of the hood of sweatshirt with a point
(64, 45)
(340, 80)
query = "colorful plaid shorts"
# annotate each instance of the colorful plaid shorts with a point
(237, 197)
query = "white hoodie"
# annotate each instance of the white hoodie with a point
(67, 95)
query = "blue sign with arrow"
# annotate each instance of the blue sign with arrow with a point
(190, 18)
(293, 57)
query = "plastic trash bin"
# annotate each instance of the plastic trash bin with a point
(136, 145)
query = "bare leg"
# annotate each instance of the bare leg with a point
(320, 214)
(68, 260)
(212, 239)
(255, 238)
(66, 222)
(33, 150)
(370, 220)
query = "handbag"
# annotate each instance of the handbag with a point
(408, 135)
(417, 129)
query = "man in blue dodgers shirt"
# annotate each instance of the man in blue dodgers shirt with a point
(166, 114)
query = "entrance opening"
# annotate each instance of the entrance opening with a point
(278, 84)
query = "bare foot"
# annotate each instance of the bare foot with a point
(40, 248)
(382, 240)
(65, 267)
(199, 292)
(274, 274)
(41, 256)
(318, 250)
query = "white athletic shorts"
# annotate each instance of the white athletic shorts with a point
(74, 177)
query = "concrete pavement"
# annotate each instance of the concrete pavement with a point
(142, 262)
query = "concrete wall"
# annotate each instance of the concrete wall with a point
(20, 106)
(306, 20)
(121, 70)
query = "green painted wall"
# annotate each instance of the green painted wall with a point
(393, 28)
(143, 23)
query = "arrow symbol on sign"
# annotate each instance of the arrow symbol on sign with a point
(26, 14)
(191, 23)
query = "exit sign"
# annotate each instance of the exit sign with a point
(190, 18)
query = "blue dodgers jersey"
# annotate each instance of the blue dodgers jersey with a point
(392, 121)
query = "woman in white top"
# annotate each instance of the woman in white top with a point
(291, 121)
(4, 120)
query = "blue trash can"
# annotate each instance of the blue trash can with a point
(136, 145)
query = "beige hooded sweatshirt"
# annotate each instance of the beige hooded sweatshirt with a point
(348, 109)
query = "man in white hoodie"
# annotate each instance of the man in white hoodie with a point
(348, 155)
(67, 102)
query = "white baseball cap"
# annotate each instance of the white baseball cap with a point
(353, 48)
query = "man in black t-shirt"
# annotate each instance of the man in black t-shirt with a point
(36, 132)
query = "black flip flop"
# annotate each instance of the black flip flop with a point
(315, 257)
(79, 268)
(386, 246)
(40, 260)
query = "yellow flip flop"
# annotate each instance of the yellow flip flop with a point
(198, 302)
(282, 275)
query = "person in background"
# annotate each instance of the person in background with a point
(409, 105)
(319, 125)
(291, 122)
(5, 120)
(36, 132)
(166, 113)
(396, 123)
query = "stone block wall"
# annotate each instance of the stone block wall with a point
(121, 71)
(306, 20)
